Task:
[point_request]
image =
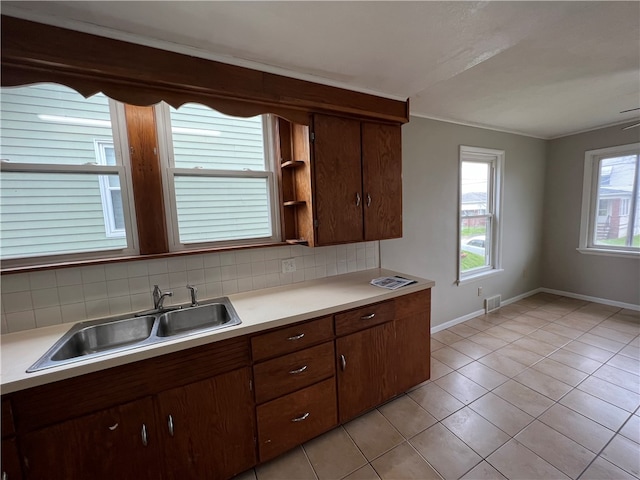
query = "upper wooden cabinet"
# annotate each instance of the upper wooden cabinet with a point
(347, 187)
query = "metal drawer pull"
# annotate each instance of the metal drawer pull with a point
(368, 317)
(5, 476)
(358, 200)
(368, 200)
(303, 417)
(113, 427)
(343, 362)
(296, 337)
(170, 424)
(299, 370)
(144, 435)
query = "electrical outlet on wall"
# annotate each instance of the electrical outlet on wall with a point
(288, 265)
(479, 291)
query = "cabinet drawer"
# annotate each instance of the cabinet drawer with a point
(364, 317)
(292, 372)
(296, 418)
(291, 339)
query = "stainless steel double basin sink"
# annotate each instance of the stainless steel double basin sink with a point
(101, 337)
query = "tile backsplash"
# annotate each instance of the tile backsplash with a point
(40, 299)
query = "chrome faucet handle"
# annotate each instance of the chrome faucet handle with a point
(194, 295)
(159, 296)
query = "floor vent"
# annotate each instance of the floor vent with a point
(492, 303)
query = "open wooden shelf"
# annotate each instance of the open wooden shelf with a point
(297, 241)
(292, 164)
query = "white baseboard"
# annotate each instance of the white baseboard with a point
(455, 321)
(477, 313)
(605, 301)
(524, 295)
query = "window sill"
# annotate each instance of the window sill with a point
(132, 258)
(608, 253)
(479, 276)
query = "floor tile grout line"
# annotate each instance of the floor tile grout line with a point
(556, 401)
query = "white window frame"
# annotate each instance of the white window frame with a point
(590, 202)
(169, 172)
(495, 159)
(122, 169)
(105, 192)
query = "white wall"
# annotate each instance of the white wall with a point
(429, 244)
(564, 268)
(49, 297)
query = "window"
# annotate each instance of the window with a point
(479, 212)
(66, 191)
(611, 201)
(62, 172)
(110, 192)
(218, 176)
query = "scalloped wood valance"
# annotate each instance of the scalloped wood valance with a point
(140, 75)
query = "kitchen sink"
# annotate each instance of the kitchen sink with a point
(195, 319)
(89, 340)
(101, 337)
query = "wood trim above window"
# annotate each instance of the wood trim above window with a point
(141, 75)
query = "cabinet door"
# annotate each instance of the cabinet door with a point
(382, 181)
(10, 460)
(209, 427)
(413, 337)
(117, 443)
(365, 370)
(338, 180)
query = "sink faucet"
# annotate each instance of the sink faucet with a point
(194, 295)
(158, 298)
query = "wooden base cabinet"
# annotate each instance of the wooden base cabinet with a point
(295, 385)
(208, 427)
(214, 411)
(379, 362)
(201, 430)
(11, 469)
(120, 442)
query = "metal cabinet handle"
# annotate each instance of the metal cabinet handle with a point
(368, 317)
(296, 337)
(358, 199)
(343, 362)
(368, 200)
(144, 435)
(170, 425)
(299, 370)
(112, 427)
(5, 476)
(301, 418)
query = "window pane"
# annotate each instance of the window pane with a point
(218, 209)
(474, 188)
(205, 138)
(615, 189)
(45, 214)
(118, 213)
(52, 124)
(475, 241)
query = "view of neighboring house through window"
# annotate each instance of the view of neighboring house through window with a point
(61, 178)
(480, 171)
(219, 176)
(611, 200)
(66, 190)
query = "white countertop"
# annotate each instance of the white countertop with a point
(258, 310)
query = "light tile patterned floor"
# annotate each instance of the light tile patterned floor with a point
(548, 387)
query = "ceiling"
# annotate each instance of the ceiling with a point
(544, 69)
